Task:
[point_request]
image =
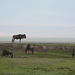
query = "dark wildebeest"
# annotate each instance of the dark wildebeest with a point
(19, 36)
(29, 48)
(7, 53)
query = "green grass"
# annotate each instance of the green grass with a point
(37, 64)
(54, 62)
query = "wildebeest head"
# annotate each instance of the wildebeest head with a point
(24, 36)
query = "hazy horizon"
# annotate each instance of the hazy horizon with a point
(38, 40)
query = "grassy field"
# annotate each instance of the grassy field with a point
(55, 61)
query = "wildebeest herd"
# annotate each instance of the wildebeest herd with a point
(28, 47)
(19, 36)
(10, 53)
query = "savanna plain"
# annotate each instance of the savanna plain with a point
(47, 59)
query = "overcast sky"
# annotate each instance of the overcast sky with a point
(38, 18)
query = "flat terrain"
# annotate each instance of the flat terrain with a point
(47, 59)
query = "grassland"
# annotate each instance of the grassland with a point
(54, 59)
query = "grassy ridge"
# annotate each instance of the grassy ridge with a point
(53, 62)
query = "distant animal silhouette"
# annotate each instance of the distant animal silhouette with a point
(7, 53)
(29, 48)
(19, 36)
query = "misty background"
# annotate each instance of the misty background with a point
(37, 18)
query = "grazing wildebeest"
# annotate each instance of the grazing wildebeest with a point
(7, 53)
(29, 48)
(19, 36)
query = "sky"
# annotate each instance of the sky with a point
(37, 18)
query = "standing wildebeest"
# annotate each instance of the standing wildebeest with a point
(19, 36)
(29, 48)
(7, 53)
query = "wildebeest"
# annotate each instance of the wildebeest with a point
(29, 48)
(7, 53)
(19, 36)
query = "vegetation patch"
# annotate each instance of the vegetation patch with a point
(49, 62)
